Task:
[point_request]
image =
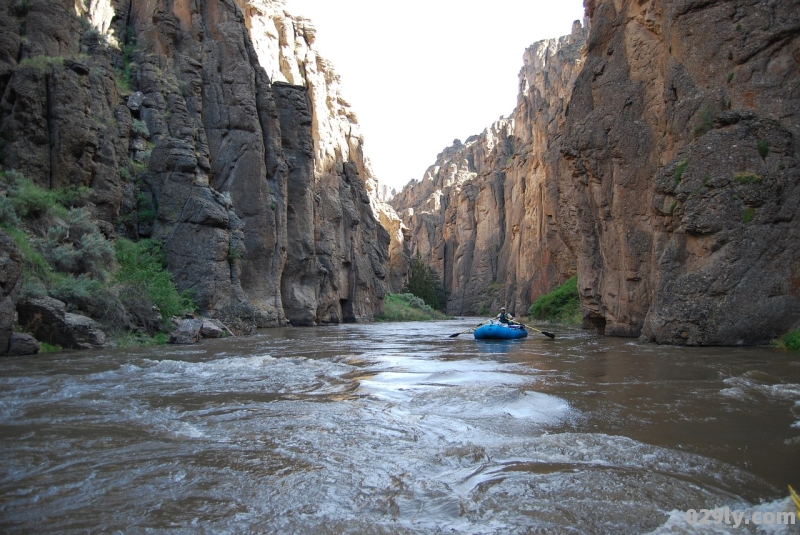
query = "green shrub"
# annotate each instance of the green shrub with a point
(28, 199)
(141, 265)
(75, 245)
(748, 215)
(31, 201)
(140, 129)
(763, 148)
(746, 177)
(791, 340)
(562, 304)
(672, 207)
(35, 269)
(407, 307)
(679, 171)
(42, 63)
(425, 283)
(8, 215)
(706, 123)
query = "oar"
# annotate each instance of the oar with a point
(795, 499)
(468, 330)
(550, 335)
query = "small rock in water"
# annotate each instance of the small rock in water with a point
(211, 329)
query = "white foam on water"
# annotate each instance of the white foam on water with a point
(755, 385)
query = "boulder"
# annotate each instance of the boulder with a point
(82, 332)
(187, 333)
(49, 321)
(212, 329)
(135, 101)
(22, 344)
(10, 284)
(44, 317)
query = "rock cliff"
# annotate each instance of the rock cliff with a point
(214, 127)
(681, 159)
(485, 214)
(665, 156)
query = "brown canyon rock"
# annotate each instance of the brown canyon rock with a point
(681, 158)
(660, 162)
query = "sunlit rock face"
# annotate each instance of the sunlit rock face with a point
(679, 184)
(485, 214)
(221, 118)
(659, 162)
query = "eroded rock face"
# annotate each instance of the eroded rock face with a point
(660, 163)
(681, 157)
(485, 214)
(10, 286)
(259, 191)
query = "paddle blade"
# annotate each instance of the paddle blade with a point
(550, 335)
(453, 335)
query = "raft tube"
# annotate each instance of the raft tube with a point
(500, 331)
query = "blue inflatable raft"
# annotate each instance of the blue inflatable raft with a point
(500, 331)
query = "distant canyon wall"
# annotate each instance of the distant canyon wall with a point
(485, 214)
(665, 157)
(221, 120)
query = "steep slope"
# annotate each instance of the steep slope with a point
(660, 163)
(681, 157)
(485, 213)
(221, 119)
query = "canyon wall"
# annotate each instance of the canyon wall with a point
(659, 162)
(485, 214)
(680, 155)
(222, 121)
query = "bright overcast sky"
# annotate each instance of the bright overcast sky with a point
(421, 73)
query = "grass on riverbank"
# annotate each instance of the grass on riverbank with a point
(562, 305)
(407, 307)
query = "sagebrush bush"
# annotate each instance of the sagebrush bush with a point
(8, 215)
(65, 256)
(140, 129)
(75, 245)
(90, 296)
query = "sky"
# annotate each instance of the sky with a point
(421, 73)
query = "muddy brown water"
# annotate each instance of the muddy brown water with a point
(396, 428)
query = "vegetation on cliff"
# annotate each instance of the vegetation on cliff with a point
(408, 307)
(561, 305)
(122, 284)
(425, 283)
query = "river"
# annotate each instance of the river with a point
(397, 428)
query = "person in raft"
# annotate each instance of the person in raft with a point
(504, 317)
